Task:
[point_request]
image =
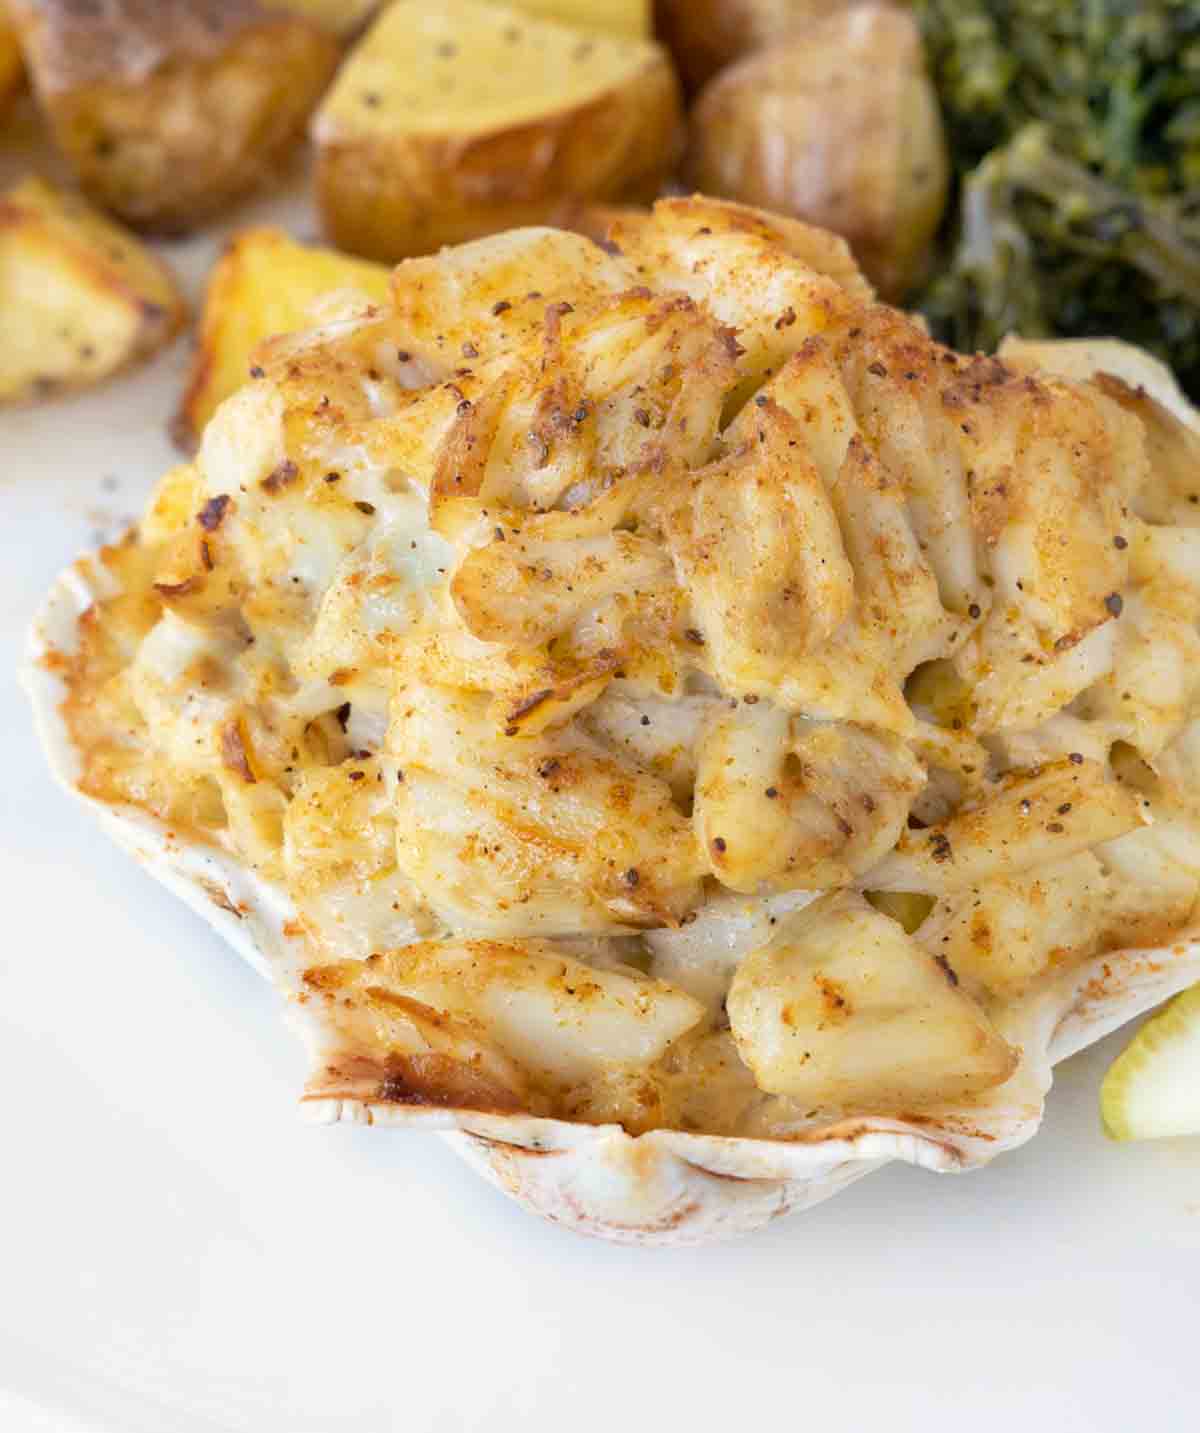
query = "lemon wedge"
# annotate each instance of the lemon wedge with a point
(1153, 1086)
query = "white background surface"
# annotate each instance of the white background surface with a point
(179, 1254)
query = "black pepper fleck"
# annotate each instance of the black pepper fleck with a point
(947, 969)
(211, 514)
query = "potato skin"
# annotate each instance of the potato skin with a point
(394, 199)
(389, 200)
(706, 35)
(838, 126)
(11, 67)
(342, 17)
(171, 109)
(80, 298)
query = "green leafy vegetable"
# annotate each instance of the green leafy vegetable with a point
(1074, 128)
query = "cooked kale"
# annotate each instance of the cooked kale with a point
(1074, 129)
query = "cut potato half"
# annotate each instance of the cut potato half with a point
(169, 111)
(456, 120)
(79, 297)
(630, 18)
(1153, 1087)
(264, 284)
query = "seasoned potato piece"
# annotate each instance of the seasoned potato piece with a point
(79, 297)
(454, 120)
(553, 1017)
(11, 66)
(170, 109)
(265, 283)
(706, 35)
(799, 127)
(842, 1008)
(630, 18)
(343, 17)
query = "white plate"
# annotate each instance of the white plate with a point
(179, 1254)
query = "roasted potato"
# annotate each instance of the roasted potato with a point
(706, 35)
(11, 66)
(630, 18)
(264, 284)
(79, 297)
(838, 125)
(458, 119)
(168, 111)
(343, 17)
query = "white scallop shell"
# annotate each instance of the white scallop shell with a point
(666, 1187)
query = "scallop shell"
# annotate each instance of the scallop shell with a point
(667, 1187)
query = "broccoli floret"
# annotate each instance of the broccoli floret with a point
(1074, 128)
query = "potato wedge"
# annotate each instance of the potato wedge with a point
(12, 67)
(79, 297)
(455, 120)
(169, 111)
(265, 283)
(706, 35)
(839, 125)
